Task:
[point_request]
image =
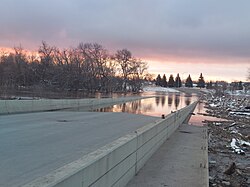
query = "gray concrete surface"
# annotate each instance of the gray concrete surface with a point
(26, 106)
(116, 163)
(32, 145)
(180, 161)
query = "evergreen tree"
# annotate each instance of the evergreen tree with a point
(171, 81)
(158, 80)
(201, 82)
(189, 82)
(178, 81)
(164, 81)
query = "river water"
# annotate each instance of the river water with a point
(162, 103)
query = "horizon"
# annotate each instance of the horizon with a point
(154, 72)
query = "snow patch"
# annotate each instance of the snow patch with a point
(242, 142)
(217, 123)
(159, 89)
(213, 105)
(235, 148)
(239, 93)
(240, 113)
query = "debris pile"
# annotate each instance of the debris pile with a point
(229, 106)
(229, 140)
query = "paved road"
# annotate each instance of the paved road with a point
(31, 145)
(178, 162)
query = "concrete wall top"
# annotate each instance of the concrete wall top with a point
(26, 106)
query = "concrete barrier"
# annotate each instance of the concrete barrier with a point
(25, 106)
(116, 163)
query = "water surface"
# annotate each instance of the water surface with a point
(200, 115)
(162, 103)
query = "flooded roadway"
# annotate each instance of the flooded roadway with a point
(162, 103)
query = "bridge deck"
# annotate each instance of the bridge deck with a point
(180, 161)
(31, 145)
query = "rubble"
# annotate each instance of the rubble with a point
(231, 169)
(226, 183)
(229, 140)
(235, 148)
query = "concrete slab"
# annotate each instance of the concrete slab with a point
(32, 145)
(41, 105)
(180, 161)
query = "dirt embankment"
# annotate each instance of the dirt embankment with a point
(229, 147)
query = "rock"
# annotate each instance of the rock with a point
(247, 169)
(226, 183)
(210, 178)
(212, 162)
(231, 169)
(238, 171)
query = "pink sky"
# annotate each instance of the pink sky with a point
(212, 70)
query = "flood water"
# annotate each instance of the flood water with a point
(198, 118)
(162, 103)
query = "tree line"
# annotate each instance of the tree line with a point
(89, 67)
(176, 82)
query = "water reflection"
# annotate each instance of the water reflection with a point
(163, 100)
(138, 107)
(199, 118)
(188, 99)
(177, 101)
(157, 100)
(200, 108)
(170, 100)
(155, 106)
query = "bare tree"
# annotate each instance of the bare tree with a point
(138, 69)
(89, 67)
(124, 59)
(21, 65)
(97, 67)
(46, 63)
(9, 71)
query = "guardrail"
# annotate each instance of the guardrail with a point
(116, 163)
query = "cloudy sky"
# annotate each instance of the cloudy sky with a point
(185, 36)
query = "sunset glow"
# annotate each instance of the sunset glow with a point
(212, 71)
